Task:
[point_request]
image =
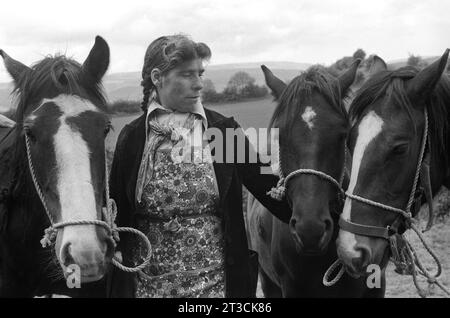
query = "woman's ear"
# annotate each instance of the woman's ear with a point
(156, 77)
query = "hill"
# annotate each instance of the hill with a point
(127, 85)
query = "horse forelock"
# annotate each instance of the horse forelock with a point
(302, 87)
(53, 76)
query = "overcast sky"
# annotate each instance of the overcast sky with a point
(237, 31)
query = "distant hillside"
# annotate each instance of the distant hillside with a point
(127, 85)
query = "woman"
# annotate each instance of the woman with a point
(171, 184)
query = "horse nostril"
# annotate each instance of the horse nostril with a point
(363, 261)
(66, 257)
(292, 224)
(328, 225)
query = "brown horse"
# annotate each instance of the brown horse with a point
(53, 170)
(390, 142)
(313, 126)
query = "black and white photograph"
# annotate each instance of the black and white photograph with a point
(225, 149)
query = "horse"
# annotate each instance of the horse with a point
(313, 126)
(400, 139)
(53, 172)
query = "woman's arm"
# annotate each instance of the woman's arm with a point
(259, 183)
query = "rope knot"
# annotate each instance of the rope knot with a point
(109, 214)
(278, 192)
(49, 236)
(431, 280)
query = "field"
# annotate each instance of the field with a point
(257, 114)
(248, 114)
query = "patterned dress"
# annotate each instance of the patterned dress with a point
(179, 216)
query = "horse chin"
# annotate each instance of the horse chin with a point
(301, 250)
(86, 275)
(90, 279)
(314, 253)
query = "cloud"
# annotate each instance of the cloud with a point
(237, 31)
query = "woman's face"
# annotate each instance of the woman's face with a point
(180, 88)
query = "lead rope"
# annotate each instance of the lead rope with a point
(326, 277)
(109, 213)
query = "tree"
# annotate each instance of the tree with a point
(359, 54)
(208, 86)
(416, 61)
(209, 93)
(238, 82)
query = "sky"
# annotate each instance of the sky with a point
(309, 31)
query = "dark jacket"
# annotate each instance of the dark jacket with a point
(241, 264)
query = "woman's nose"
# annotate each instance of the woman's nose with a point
(198, 84)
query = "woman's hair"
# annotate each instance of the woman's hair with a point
(166, 53)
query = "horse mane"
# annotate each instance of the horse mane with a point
(52, 76)
(314, 78)
(392, 83)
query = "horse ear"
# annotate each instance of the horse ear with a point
(276, 85)
(377, 65)
(424, 82)
(346, 79)
(97, 62)
(14, 68)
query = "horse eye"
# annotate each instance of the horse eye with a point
(400, 149)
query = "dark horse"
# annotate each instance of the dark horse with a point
(61, 115)
(387, 140)
(313, 126)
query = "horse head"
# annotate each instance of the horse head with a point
(388, 140)
(313, 126)
(61, 129)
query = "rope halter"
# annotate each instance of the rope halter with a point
(109, 214)
(279, 192)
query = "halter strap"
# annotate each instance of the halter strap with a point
(365, 230)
